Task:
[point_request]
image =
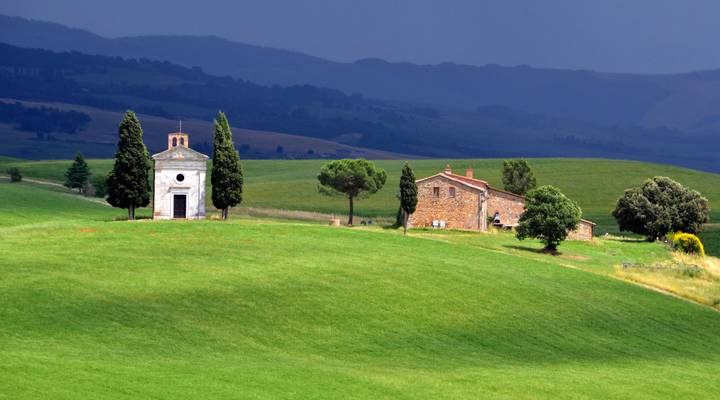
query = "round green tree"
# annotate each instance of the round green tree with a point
(518, 177)
(351, 178)
(227, 175)
(549, 215)
(408, 195)
(661, 206)
(76, 177)
(128, 183)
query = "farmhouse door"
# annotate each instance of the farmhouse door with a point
(179, 205)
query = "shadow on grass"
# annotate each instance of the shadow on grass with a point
(626, 240)
(392, 227)
(504, 338)
(137, 217)
(533, 250)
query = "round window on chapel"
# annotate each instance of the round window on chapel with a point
(180, 177)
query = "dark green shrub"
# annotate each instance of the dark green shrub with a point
(14, 173)
(99, 183)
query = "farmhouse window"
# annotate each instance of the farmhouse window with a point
(451, 192)
(436, 191)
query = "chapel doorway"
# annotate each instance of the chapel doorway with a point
(179, 206)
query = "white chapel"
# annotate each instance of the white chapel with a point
(179, 186)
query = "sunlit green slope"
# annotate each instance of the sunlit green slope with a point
(92, 308)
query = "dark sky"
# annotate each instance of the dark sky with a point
(607, 35)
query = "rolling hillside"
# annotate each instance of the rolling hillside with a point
(266, 310)
(594, 183)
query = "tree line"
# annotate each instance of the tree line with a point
(42, 121)
(42, 75)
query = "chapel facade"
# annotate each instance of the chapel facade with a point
(448, 200)
(179, 185)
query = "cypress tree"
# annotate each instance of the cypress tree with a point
(408, 195)
(227, 174)
(518, 177)
(128, 184)
(76, 177)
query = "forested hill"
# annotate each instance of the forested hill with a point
(168, 90)
(681, 101)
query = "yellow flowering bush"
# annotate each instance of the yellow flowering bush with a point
(688, 243)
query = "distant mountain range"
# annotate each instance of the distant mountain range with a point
(444, 110)
(683, 101)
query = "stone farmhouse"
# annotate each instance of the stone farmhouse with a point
(447, 200)
(179, 191)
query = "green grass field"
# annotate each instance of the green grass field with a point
(258, 309)
(711, 239)
(594, 183)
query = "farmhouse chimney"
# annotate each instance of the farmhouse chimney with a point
(469, 172)
(178, 139)
(448, 170)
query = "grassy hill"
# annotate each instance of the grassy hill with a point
(263, 309)
(594, 183)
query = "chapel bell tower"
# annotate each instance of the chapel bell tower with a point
(178, 139)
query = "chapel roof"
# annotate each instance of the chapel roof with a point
(180, 153)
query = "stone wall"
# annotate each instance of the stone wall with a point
(509, 206)
(584, 231)
(459, 212)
